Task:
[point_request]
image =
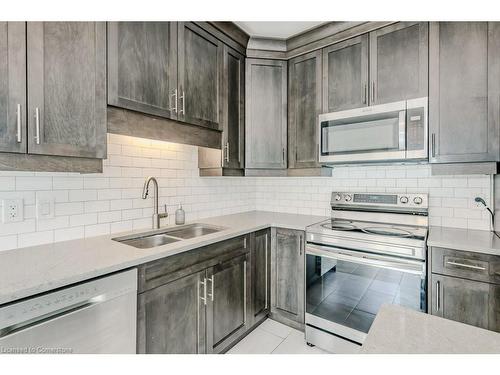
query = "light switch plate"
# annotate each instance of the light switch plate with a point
(45, 207)
(12, 211)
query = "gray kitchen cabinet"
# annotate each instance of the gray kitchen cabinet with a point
(228, 302)
(266, 114)
(199, 75)
(287, 277)
(233, 112)
(13, 87)
(399, 62)
(171, 317)
(142, 67)
(261, 274)
(464, 91)
(67, 88)
(304, 106)
(345, 75)
(466, 301)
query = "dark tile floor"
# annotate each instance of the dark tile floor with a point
(351, 294)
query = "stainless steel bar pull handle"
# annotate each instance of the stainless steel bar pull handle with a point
(433, 145)
(438, 295)
(365, 94)
(174, 95)
(463, 265)
(183, 107)
(204, 284)
(373, 92)
(18, 122)
(212, 280)
(265, 277)
(37, 125)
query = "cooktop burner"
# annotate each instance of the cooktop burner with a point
(387, 231)
(339, 225)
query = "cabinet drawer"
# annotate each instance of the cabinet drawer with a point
(162, 271)
(474, 266)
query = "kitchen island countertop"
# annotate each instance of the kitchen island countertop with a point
(399, 330)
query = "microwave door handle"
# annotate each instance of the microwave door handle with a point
(402, 130)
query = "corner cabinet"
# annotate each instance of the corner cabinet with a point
(266, 114)
(464, 98)
(304, 106)
(13, 87)
(233, 111)
(287, 277)
(261, 275)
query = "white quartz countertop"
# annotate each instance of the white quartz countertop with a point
(481, 241)
(398, 330)
(32, 270)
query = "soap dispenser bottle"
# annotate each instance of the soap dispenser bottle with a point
(180, 216)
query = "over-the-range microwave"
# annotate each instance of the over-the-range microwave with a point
(387, 132)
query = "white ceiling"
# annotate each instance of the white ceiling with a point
(276, 29)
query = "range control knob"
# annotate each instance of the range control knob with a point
(403, 199)
(337, 197)
(348, 198)
(417, 200)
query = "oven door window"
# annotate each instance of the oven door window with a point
(351, 294)
(374, 133)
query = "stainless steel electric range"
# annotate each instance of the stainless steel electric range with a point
(372, 251)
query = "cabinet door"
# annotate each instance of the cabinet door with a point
(228, 293)
(67, 88)
(199, 74)
(171, 317)
(261, 272)
(462, 300)
(345, 75)
(287, 275)
(464, 92)
(399, 62)
(266, 114)
(233, 113)
(13, 86)
(304, 106)
(142, 67)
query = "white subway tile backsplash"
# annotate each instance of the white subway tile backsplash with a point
(110, 202)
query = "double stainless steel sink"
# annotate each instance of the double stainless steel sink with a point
(169, 235)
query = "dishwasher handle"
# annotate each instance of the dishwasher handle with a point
(30, 323)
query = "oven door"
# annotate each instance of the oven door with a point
(345, 288)
(367, 134)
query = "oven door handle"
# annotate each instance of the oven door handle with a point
(403, 265)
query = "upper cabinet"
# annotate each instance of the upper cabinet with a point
(13, 87)
(464, 91)
(199, 73)
(304, 106)
(53, 96)
(168, 69)
(233, 111)
(345, 75)
(142, 67)
(266, 114)
(67, 88)
(398, 62)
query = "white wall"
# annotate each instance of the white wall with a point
(96, 204)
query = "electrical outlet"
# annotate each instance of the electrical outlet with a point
(12, 210)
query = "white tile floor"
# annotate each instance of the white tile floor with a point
(272, 337)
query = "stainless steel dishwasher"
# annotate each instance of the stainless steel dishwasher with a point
(98, 316)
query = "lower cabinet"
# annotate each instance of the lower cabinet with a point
(466, 289)
(261, 274)
(171, 318)
(287, 277)
(227, 287)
